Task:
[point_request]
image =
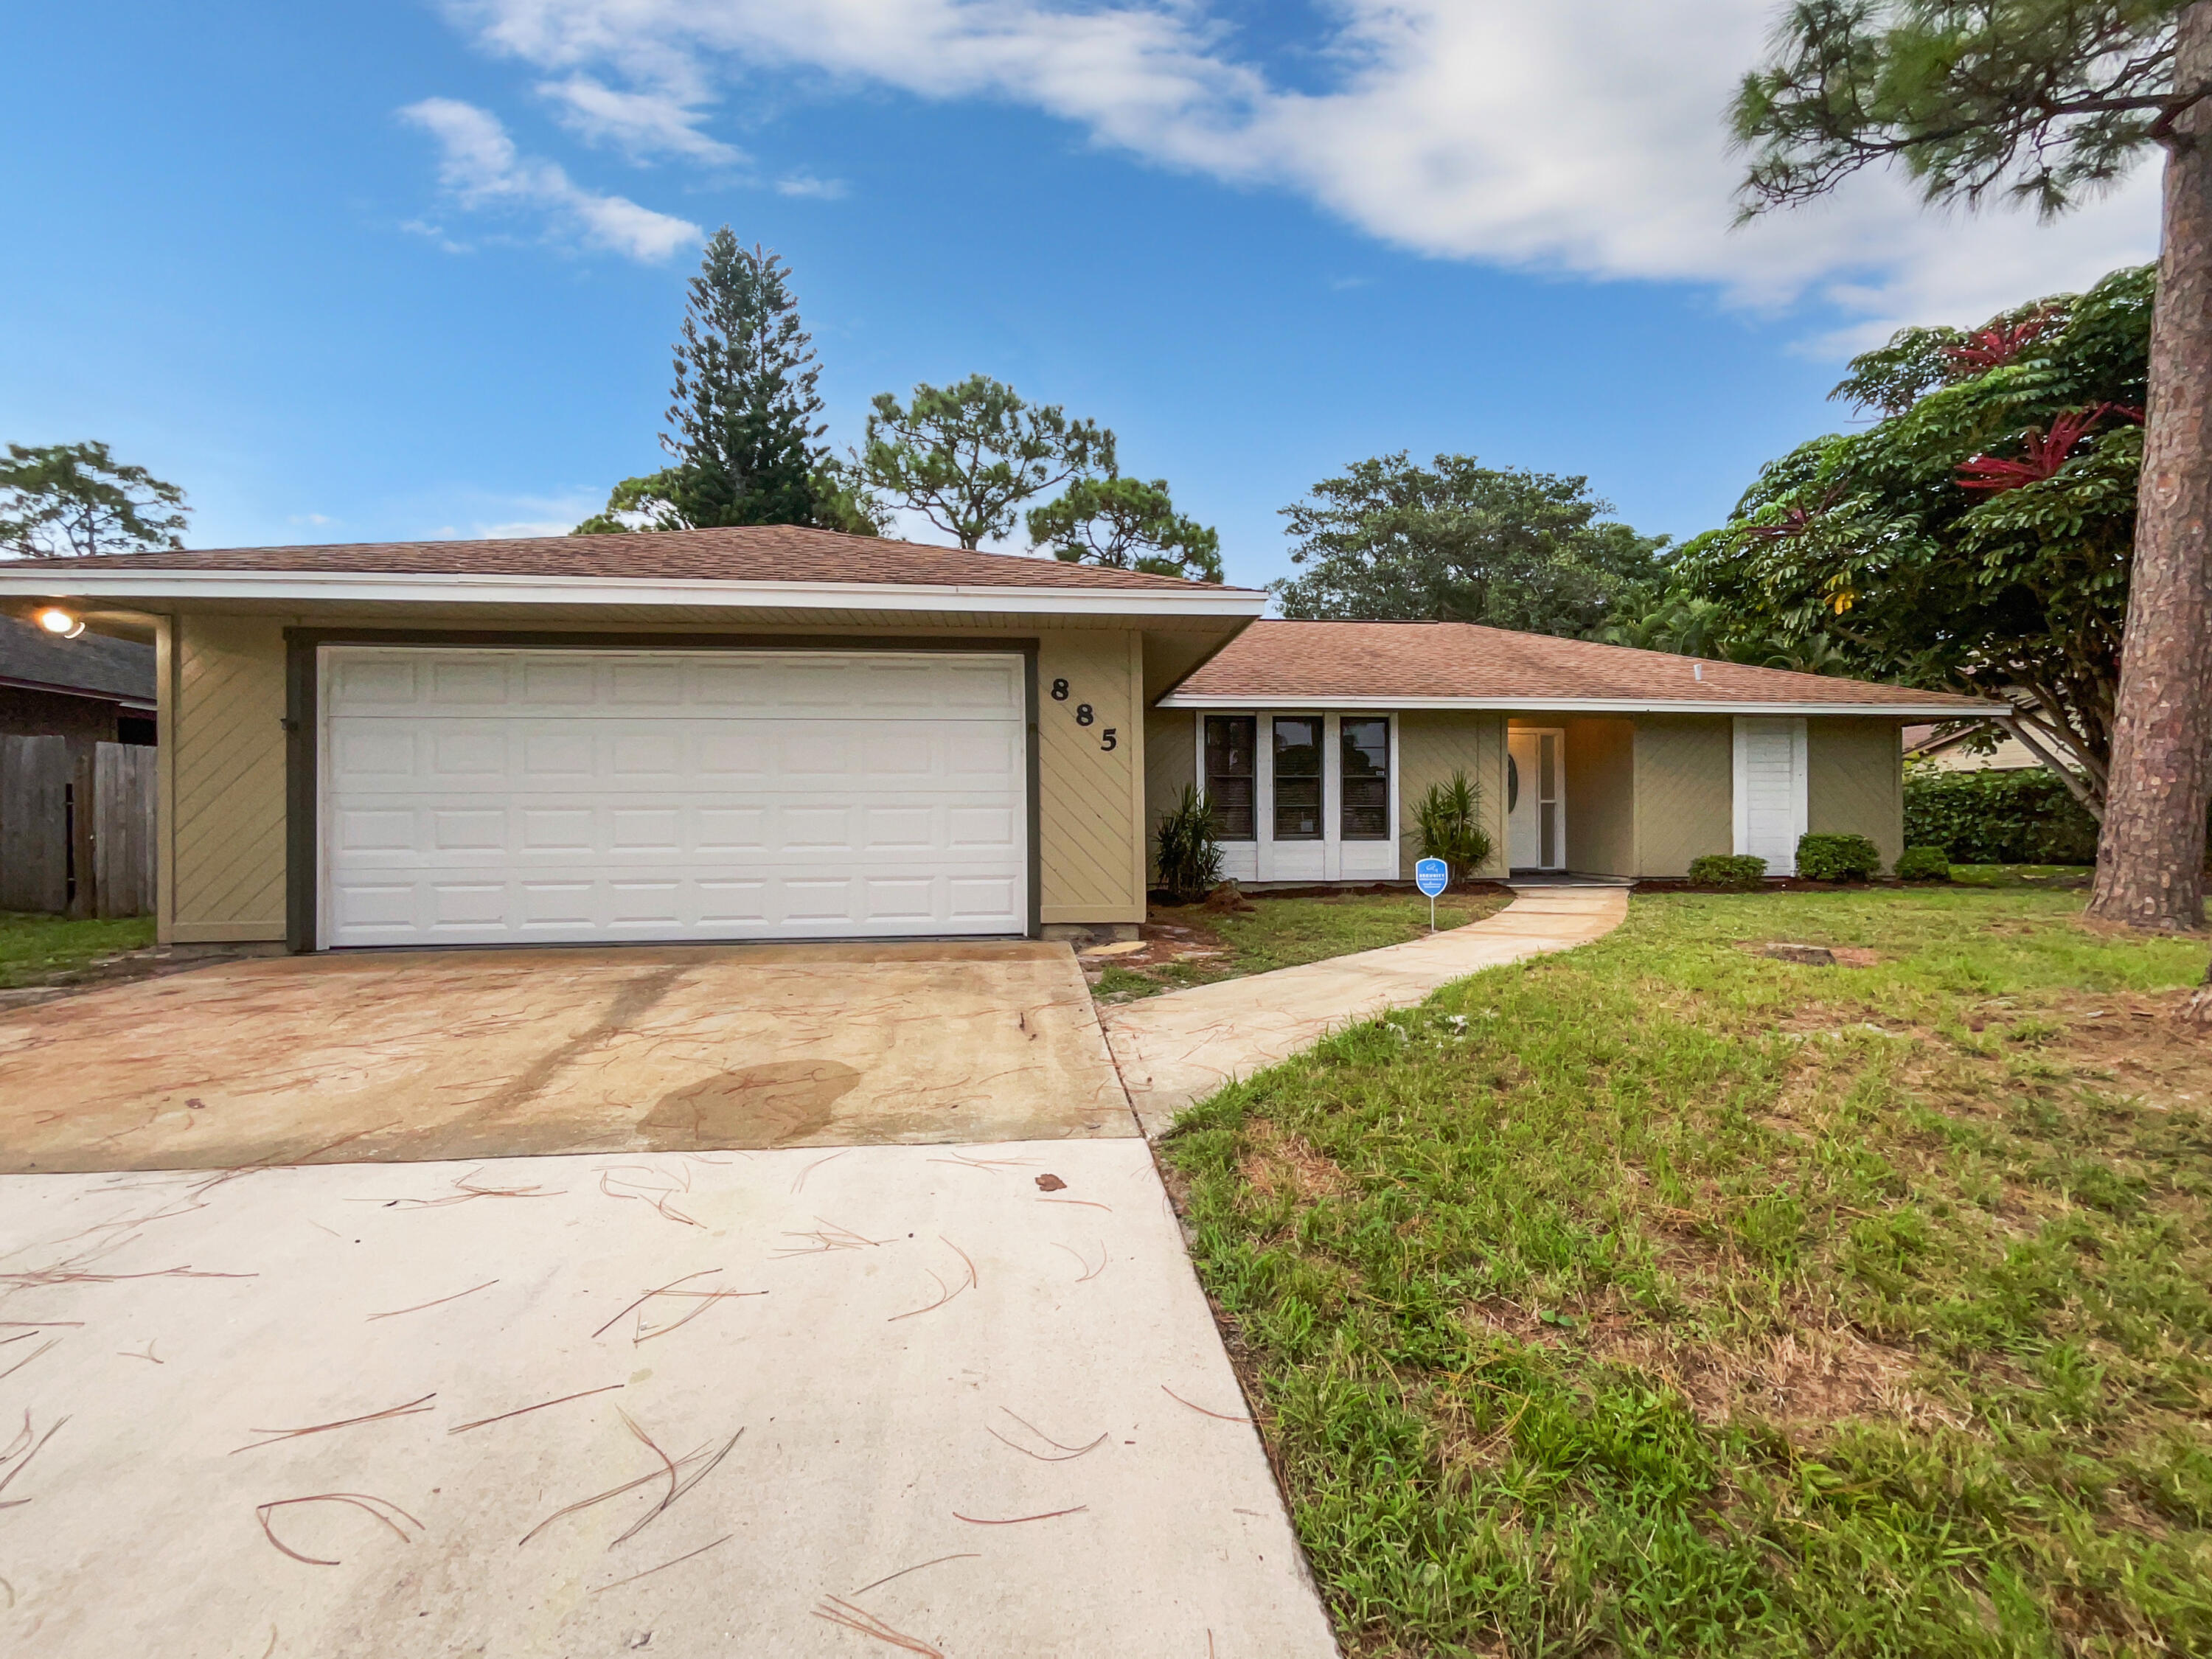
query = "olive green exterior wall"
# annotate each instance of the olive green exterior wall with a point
(1600, 800)
(1684, 795)
(1431, 746)
(221, 780)
(1171, 767)
(1091, 828)
(1855, 781)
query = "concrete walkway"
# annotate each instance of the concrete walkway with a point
(1181, 1046)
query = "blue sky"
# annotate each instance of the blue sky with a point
(1258, 241)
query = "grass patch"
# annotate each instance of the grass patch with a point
(34, 948)
(1659, 1297)
(1275, 933)
(2023, 875)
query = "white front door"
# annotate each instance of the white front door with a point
(1536, 779)
(494, 796)
(1769, 791)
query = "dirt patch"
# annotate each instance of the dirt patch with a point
(1810, 1378)
(1277, 1164)
(2137, 1041)
(760, 1106)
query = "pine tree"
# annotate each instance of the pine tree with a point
(747, 436)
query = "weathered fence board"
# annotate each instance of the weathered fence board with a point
(123, 829)
(34, 779)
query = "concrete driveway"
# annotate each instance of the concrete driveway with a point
(962, 1403)
(499, 1054)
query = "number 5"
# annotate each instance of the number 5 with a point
(1108, 740)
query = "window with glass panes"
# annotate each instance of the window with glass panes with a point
(1230, 776)
(1364, 785)
(1297, 777)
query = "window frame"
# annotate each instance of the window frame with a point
(1387, 780)
(1319, 778)
(1207, 774)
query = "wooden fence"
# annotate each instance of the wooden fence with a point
(77, 831)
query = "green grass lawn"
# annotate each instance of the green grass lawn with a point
(34, 947)
(1659, 1297)
(1283, 933)
(2023, 875)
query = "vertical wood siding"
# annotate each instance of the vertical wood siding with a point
(1855, 781)
(1171, 767)
(1601, 798)
(1684, 790)
(224, 739)
(1090, 844)
(1431, 746)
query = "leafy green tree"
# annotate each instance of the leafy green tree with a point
(967, 456)
(1126, 524)
(1976, 537)
(2044, 101)
(68, 500)
(1686, 625)
(1460, 542)
(646, 503)
(746, 441)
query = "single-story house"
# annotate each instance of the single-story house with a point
(89, 689)
(779, 733)
(1316, 741)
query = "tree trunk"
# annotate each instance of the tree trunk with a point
(2150, 859)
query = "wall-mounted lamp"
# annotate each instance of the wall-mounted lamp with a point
(55, 620)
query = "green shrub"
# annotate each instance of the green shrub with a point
(1997, 818)
(1923, 864)
(1189, 849)
(1738, 870)
(1449, 819)
(1838, 858)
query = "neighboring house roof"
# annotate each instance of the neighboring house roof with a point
(89, 666)
(761, 553)
(1951, 753)
(1363, 664)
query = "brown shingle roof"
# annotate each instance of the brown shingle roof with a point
(765, 553)
(1278, 662)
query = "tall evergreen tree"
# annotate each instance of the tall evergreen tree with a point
(745, 410)
(745, 445)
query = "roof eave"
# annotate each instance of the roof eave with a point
(1577, 705)
(61, 583)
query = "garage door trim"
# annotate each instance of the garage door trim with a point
(303, 723)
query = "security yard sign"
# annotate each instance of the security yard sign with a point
(1432, 876)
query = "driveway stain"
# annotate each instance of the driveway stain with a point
(761, 1106)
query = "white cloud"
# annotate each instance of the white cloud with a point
(806, 184)
(640, 123)
(1580, 137)
(480, 167)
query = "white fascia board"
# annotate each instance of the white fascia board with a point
(308, 587)
(1579, 706)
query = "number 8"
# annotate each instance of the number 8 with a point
(1082, 715)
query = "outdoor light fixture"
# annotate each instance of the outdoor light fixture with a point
(55, 620)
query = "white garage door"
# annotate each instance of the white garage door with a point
(539, 796)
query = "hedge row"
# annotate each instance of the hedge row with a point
(1997, 816)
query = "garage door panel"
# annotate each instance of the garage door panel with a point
(578, 795)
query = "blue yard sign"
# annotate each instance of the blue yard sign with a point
(1432, 876)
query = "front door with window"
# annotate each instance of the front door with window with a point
(1536, 778)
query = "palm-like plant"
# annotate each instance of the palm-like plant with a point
(1449, 820)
